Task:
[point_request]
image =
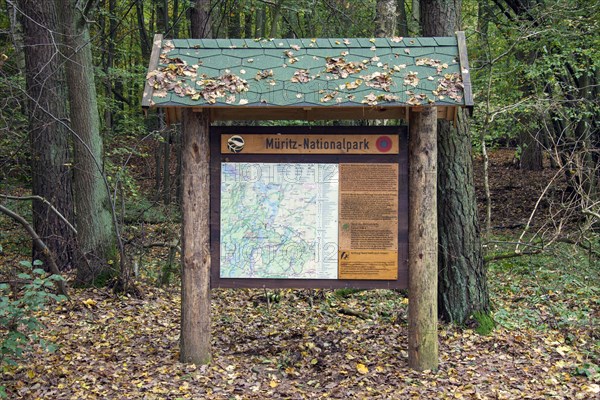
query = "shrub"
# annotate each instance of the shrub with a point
(18, 323)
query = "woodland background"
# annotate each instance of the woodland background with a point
(72, 133)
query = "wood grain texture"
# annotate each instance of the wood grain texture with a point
(422, 228)
(195, 276)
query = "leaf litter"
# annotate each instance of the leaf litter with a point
(298, 345)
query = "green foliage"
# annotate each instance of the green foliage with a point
(533, 69)
(485, 323)
(553, 290)
(589, 370)
(18, 321)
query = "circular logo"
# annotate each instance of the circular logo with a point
(235, 144)
(383, 144)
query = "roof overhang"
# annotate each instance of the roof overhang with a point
(308, 79)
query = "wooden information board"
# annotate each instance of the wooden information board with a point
(309, 207)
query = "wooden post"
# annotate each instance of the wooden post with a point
(422, 240)
(195, 274)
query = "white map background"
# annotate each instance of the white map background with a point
(279, 220)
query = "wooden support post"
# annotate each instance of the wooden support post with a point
(195, 274)
(422, 240)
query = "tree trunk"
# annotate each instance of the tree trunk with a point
(93, 214)
(402, 25)
(234, 24)
(200, 19)
(247, 25)
(415, 17)
(385, 18)
(531, 158)
(144, 40)
(275, 16)
(261, 21)
(462, 287)
(49, 138)
(110, 39)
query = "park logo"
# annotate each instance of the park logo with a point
(383, 144)
(235, 144)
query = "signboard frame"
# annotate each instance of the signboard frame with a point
(218, 157)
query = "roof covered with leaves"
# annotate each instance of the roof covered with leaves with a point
(308, 72)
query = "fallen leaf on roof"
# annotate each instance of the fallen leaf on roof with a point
(411, 79)
(328, 96)
(263, 74)
(450, 85)
(300, 76)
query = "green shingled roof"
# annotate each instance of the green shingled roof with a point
(308, 72)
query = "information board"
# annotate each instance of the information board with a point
(333, 217)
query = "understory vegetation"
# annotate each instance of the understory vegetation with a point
(317, 343)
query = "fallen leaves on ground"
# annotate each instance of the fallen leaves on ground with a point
(298, 348)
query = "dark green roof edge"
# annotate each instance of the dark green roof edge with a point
(328, 43)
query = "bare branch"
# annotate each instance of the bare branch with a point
(46, 202)
(40, 245)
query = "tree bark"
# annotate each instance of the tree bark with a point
(195, 275)
(531, 158)
(144, 40)
(386, 17)
(200, 19)
(423, 247)
(50, 158)
(93, 215)
(462, 287)
(402, 25)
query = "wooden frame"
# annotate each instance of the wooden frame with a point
(403, 208)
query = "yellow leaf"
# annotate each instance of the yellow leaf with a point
(273, 384)
(31, 374)
(362, 368)
(593, 387)
(89, 303)
(562, 350)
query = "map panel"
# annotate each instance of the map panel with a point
(279, 220)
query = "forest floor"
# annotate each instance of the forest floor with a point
(297, 344)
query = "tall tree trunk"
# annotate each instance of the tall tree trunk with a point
(109, 62)
(144, 40)
(402, 18)
(247, 24)
(234, 24)
(415, 20)
(93, 214)
(200, 19)
(275, 16)
(48, 135)
(261, 21)
(462, 287)
(531, 158)
(385, 18)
